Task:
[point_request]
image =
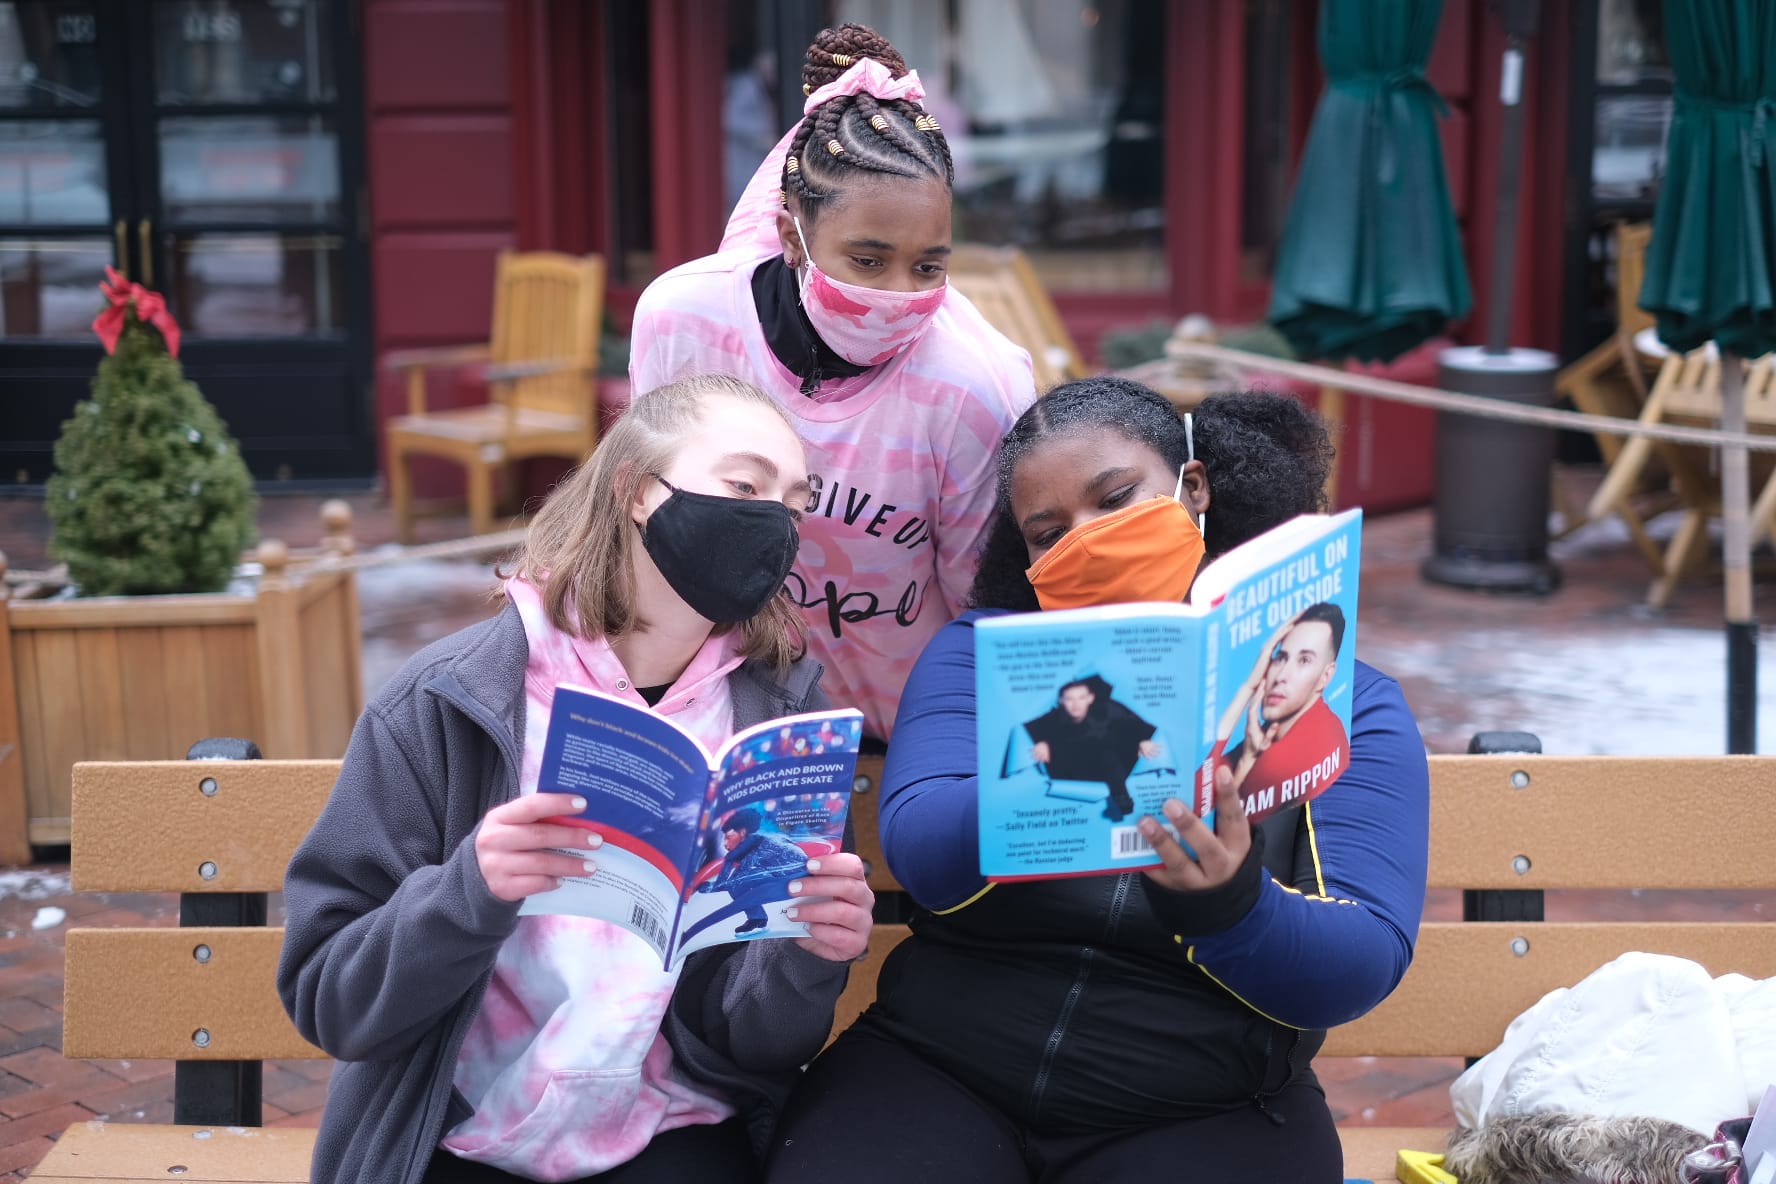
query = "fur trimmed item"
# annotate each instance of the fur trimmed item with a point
(1555, 1147)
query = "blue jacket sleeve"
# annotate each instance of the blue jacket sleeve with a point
(929, 820)
(1316, 958)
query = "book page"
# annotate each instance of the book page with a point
(645, 785)
(782, 798)
(1085, 721)
(1280, 657)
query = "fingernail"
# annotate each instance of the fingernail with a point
(579, 803)
(594, 841)
(795, 886)
(790, 913)
(813, 865)
(590, 867)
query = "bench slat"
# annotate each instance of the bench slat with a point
(1578, 816)
(143, 993)
(1472, 962)
(131, 1152)
(146, 826)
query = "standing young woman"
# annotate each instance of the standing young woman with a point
(1147, 1025)
(829, 293)
(475, 1045)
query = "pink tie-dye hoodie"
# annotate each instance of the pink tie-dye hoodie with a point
(565, 1064)
(902, 457)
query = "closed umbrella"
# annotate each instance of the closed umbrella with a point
(1712, 258)
(1370, 264)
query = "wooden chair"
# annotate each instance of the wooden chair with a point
(1611, 380)
(541, 367)
(1687, 391)
(1001, 283)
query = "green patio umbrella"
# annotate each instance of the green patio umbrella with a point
(1712, 258)
(1370, 264)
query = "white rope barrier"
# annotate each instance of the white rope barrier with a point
(1441, 400)
(1176, 351)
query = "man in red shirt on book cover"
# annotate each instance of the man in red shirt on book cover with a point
(1294, 746)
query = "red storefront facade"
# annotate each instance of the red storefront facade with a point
(601, 125)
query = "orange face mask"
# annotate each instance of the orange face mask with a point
(1147, 551)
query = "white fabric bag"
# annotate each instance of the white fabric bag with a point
(1644, 1036)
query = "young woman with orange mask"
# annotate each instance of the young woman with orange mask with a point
(1105, 1027)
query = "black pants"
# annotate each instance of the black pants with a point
(869, 1111)
(719, 1154)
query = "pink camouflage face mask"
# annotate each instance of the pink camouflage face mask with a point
(865, 326)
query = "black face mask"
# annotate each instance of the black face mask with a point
(724, 556)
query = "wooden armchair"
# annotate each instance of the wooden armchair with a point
(1002, 284)
(1687, 392)
(1612, 380)
(540, 367)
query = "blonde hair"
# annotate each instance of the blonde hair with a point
(577, 552)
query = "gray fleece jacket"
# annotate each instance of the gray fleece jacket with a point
(391, 933)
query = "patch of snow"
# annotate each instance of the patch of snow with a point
(30, 884)
(48, 917)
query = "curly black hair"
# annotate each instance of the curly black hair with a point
(1266, 458)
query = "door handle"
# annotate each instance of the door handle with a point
(120, 239)
(145, 241)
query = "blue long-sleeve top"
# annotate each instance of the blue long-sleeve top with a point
(1312, 955)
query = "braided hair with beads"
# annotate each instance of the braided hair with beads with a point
(858, 135)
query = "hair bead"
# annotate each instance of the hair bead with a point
(807, 89)
(792, 165)
(834, 147)
(842, 59)
(879, 122)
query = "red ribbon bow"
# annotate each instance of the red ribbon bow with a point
(151, 309)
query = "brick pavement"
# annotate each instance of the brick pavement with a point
(1455, 690)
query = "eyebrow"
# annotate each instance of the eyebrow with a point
(769, 468)
(1107, 476)
(1095, 483)
(876, 244)
(765, 463)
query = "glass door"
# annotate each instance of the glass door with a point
(220, 167)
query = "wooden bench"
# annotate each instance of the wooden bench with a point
(1503, 829)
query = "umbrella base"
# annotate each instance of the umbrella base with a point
(1537, 576)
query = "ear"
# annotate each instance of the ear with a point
(788, 239)
(1196, 488)
(1325, 678)
(641, 506)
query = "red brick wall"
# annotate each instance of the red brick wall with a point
(441, 160)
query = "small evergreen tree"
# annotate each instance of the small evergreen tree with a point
(150, 494)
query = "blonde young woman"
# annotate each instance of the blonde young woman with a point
(475, 1045)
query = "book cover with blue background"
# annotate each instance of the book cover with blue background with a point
(1088, 719)
(699, 847)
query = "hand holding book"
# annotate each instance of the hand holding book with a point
(1218, 852)
(520, 852)
(836, 904)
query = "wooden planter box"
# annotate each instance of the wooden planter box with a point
(145, 677)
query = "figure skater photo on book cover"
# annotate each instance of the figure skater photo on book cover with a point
(1290, 743)
(754, 858)
(1089, 736)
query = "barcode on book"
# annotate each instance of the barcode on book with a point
(648, 925)
(1128, 841)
